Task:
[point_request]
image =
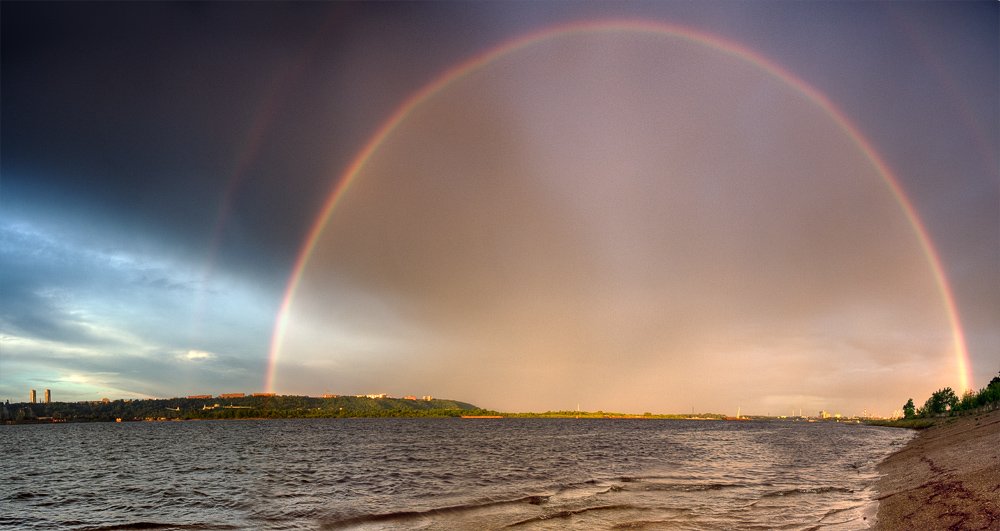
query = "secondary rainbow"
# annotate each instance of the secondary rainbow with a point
(962, 364)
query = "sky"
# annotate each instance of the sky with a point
(628, 206)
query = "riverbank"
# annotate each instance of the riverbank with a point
(947, 477)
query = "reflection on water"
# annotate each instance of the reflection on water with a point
(440, 474)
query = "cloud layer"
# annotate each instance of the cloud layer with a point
(93, 316)
(594, 221)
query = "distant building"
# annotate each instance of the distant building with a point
(409, 398)
(328, 395)
(202, 397)
(48, 396)
(232, 395)
(263, 394)
(32, 398)
(428, 398)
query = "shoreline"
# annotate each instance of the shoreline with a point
(946, 477)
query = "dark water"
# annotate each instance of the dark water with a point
(441, 474)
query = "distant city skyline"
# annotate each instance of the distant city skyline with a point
(628, 206)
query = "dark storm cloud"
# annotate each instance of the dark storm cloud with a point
(163, 115)
(141, 112)
(198, 141)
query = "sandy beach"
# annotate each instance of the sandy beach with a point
(947, 477)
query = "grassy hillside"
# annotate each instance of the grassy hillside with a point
(241, 407)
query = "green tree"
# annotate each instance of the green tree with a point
(909, 410)
(968, 400)
(940, 402)
(989, 394)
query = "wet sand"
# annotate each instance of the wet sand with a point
(947, 477)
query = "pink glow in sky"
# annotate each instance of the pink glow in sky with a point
(626, 220)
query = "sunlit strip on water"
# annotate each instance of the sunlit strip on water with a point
(962, 363)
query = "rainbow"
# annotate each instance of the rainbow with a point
(477, 62)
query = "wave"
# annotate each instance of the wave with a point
(566, 513)
(806, 490)
(407, 515)
(676, 487)
(25, 495)
(157, 525)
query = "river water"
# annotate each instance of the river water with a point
(441, 474)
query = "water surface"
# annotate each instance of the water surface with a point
(441, 474)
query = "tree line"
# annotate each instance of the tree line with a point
(946, 402)
(232, 408)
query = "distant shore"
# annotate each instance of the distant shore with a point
(235, 406)
(947, 477)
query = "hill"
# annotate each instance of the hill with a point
(281, 406)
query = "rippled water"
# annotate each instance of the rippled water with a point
(440, 474)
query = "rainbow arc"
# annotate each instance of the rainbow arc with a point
(670, 31)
